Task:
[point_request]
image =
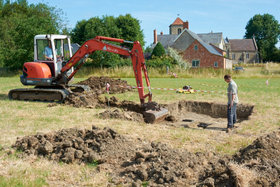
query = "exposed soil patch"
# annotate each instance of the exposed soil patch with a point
(121, 114)
(256, 165)
(73, 145)
(92, 99)
(129, 161)
(98, 85)
(89, 99)
(134, 161)
(215, 110)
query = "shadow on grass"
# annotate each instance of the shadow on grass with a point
(4, 97)
(4, 72)
(204, 126)
(207, 128)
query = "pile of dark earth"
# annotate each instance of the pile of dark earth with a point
(255, 165)
(129, 161)
(98, 85)
(136, 162)
(92, 99)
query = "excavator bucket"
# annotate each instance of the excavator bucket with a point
(153, 116)
(154, 113)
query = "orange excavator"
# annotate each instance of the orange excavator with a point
(54, 66)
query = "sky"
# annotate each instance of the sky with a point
(227, 16)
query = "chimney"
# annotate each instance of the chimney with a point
(161, 33)
(155, 36)
(186, 25)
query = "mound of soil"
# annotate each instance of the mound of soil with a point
(73, 145)
(98, 85)
(163, 166)
(120, 114)
(256, 165)
(134, 161)
(128, 161)
(91, 99)
(263, 156)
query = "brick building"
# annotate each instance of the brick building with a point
(198, 52)
(201, 50)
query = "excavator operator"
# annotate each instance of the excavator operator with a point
(48, 51)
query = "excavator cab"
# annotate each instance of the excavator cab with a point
(50, 51)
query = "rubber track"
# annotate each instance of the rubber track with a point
(38, 94)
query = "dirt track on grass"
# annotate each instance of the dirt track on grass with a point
(134, 161)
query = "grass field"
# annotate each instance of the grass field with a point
(19, 119)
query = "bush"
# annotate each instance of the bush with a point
(158, 50)
(160, 62)
(178, 58)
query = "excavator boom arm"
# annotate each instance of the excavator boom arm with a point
(98, 44)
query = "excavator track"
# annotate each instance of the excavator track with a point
(39, 94)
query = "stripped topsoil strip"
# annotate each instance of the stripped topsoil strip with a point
(134, 161)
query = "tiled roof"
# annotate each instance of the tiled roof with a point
(178, 21)
(213, 38)
(166, 39)
(242, 45)
(209, 48)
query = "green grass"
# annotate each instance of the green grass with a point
(21, 182)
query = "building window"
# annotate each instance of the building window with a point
(233, 56)
(179, 31)
(216, 64)
(247, 55)
(195, 63)
(195, 47)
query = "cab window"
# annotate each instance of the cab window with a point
(41, 44)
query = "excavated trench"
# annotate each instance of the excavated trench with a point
(214, 110)
(183, 113)
(188, 114)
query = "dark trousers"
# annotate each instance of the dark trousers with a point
(231, 115)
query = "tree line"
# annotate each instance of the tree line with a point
(20, 22)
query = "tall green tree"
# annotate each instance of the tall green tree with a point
(125, 27)
(130, 28)
(266, 30)
(19, 23)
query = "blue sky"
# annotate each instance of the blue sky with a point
(227, 16)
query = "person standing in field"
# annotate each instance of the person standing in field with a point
(232, 91)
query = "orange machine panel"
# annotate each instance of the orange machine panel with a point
(37, 70)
